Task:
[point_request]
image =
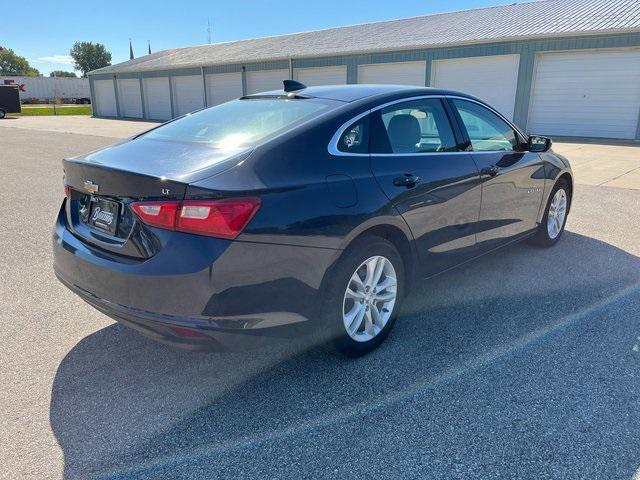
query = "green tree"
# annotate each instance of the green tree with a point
(62, 73)
(12, 64)
(89, 56)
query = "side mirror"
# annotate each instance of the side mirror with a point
(539, 144)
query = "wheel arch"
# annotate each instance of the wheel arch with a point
(568, 177)
(392, 229)
(565, 174)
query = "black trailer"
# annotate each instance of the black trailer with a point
(9, 100)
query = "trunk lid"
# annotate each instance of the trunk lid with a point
(103, 180)
(103, 184)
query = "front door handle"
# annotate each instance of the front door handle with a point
(491, 170)
(409, 180)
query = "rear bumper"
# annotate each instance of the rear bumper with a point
(199, 292)
(199, 333)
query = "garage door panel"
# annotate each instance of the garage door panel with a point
(130, 98)
(493, 79)
(105, 98)
(401, 73)
(266, 80)
(589, 93)
(188, 94)
(157, 98)
(222, 87)
(336, 75)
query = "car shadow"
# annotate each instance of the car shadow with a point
(120, 401)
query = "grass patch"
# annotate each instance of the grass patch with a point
(42, 111)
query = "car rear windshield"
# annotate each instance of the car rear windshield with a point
(240, 123)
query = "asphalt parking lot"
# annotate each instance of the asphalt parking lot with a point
(524, 364)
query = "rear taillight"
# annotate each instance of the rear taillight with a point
(157, 214)
(67, 191)
(220, 218)
(224, 218)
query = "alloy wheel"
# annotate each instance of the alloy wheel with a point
(557, 213)
(369, 298)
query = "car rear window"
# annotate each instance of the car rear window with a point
(240, 123)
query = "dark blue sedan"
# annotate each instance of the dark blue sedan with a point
(301, 210)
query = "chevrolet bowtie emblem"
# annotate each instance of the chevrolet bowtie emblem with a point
(91, 187)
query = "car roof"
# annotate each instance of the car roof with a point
(351, 93)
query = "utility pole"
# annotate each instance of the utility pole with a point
(208, 31)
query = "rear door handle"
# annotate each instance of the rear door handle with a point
(491, 170)
(409, 180)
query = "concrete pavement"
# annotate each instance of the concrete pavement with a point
(80, 125)
(613, 164)
(523, 364)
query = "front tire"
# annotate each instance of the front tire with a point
(555, 215)
(364, 295)
(2, 113)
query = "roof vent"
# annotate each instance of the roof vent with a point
(293, 86)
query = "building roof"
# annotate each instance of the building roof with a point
(547, 18)
(351, 93)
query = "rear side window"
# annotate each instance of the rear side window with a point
(355, 138)
(418, 126)
(241, 123)
(487, 131)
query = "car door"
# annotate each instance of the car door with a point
(512, 177)
(416, 159)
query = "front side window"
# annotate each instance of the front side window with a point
(417, 126)
(487, 131)
(241, 123)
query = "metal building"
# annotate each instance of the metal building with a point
(556, 67)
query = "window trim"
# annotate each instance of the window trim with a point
(333, 143)
(365, 120)
(332, 148)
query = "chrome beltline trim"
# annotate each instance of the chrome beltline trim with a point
(332, 148)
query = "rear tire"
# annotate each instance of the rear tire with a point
(364, 293)
(555, 215)
(2, 113)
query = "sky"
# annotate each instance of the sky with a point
(50, 28)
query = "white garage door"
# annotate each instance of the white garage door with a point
(129, 96)
(406, 73)
(586, 94)
(493, 79)
(222, 87)
(321, 75)
(105, 98)
(264, 81)
(157, 98)
(188, 94)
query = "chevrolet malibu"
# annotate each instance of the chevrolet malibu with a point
(310, 209)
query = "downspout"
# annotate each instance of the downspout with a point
(244, 80)
(204, 88)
